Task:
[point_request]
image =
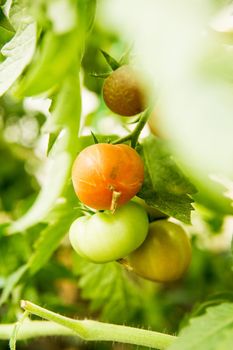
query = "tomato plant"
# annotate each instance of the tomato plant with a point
(165, 254)
(123, 93)
(107, 236)
(71, 161)
(103, 169)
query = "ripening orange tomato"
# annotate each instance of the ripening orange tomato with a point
(103, 169)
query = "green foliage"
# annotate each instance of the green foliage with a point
(4, 21)
(109, 290)
(11, 282)
(12, 189)
(50, 238)
(208, 332)
(51, 64)
(19, 50)
(165, 187)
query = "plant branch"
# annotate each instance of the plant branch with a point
(122, 139)
(140, 125)
(134, 135)
(99, 331)
(34, 329)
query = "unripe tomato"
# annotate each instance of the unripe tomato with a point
(107, 236)
(123, 92)
(102, 169)
(165, 254)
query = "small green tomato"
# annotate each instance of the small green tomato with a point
(107, 236)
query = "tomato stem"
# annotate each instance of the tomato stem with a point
(137, 131)
(98, 331)
(134, 135)
(124, 263)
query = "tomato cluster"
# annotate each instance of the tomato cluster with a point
(105, 178)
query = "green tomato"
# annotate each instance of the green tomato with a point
(165, 254)
(107, 236)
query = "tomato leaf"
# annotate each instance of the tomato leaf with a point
(108, 289)
(51, 237)
(165, 187)
(60, 157)
(4, 22)
(51, 63)
(11, 282)
(19, 50)
(211, 331)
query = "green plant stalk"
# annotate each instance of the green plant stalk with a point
(13, 338)
(140, 125)
(89, 330)
(134, 135)
(34, 329)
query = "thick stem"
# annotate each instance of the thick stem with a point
(34, 329)
(98, 331)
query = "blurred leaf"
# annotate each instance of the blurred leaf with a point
(4, 22)
(12, 187)
(61, 155)
(110, 60)
(11, 282)
(63, 15)
(14, 251)
(87, 10)
(52, 139)
(212, 195)
(213, 300)
(50, 238)
(19, 50)
(67, 106)
(211, 331)
(165, 186)
(58, 171)
(51, 64)
(125, 58)
(48, 241)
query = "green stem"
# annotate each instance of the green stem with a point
(99, 331)
(122, 139)
(134, 135)
(142, 122)
(13, 338)
(34, 329)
